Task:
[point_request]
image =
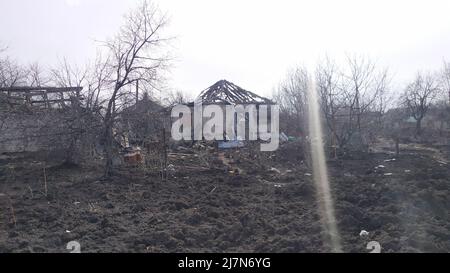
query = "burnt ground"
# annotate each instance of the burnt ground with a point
(226, 202)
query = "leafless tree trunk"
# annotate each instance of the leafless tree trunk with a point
(365, 87)
(418, 97)
(330, 92)
(136, 55)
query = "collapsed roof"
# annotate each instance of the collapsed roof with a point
(46, 96)
(225, 92)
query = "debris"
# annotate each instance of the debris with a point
(275, 184)
(170, 168)
(407, 171)
(308, 174)
(198, 146)
(275, 170)
(388, 174)
(76, 203)
(132, 155)
(363, 233)
(284, 137)
(389, 160)
(68, 231)
(380, 166)
(230, 144)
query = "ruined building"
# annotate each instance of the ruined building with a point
(43, 119)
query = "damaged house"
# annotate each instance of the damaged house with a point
(145, 127)
(142, 122)
(141, 132)
(48, 120)
(225, 93)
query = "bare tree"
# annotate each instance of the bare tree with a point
(136, 54)
(65, 74)
(353, 99)
(332, 100)
(445, 82)
(291, 96)
(82, 117)
(445, 88)
(14, 74)
(365, 87)
(11, 73)
(176, 97)
(418, 96)
(96, 82)
(36, 76)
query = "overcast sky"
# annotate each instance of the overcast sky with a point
(251, 43)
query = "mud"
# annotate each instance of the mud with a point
(247, 203)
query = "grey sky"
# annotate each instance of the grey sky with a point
(249, 42)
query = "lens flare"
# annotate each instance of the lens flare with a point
(320, 172)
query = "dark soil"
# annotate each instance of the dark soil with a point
(239, 202)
